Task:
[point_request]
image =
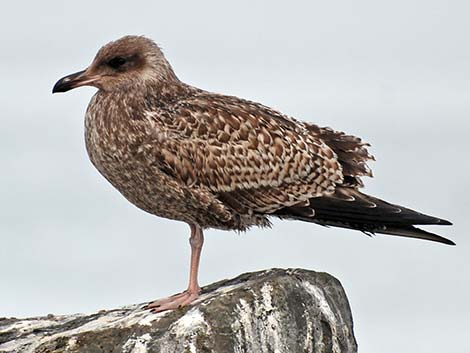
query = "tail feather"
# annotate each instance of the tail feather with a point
(349, 208)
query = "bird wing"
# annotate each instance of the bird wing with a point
(351, 152)
(251, 157)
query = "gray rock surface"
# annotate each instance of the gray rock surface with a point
(279, 311)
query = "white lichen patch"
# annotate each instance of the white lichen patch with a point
(243, 327)
(273, 319)
(137, 345)
(187, 329)
(322, 302)
(258, 326)
(71, 344)
(188, 322)
(325, 309)
(308, 344)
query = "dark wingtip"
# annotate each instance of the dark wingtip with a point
(444, 222)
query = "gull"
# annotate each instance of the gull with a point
(219, 161)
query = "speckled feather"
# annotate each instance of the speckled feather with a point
(219, 161)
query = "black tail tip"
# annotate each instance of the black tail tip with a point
(448, 242)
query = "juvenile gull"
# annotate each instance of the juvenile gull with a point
(216, 161)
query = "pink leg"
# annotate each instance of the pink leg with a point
(189, 295)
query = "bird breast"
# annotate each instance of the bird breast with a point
(108, 135)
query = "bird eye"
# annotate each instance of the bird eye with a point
(117, 62)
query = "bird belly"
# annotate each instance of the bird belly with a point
(144, 186)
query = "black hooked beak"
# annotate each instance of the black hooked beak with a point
(74, 80)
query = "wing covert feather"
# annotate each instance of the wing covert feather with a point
(252, 157)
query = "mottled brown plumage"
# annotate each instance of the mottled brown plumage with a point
(216, 161)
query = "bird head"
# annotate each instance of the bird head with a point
(128, 62)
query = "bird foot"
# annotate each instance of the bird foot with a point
(174, 302)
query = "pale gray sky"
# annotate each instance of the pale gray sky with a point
(395, 73)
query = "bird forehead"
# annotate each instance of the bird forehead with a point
(127, 47)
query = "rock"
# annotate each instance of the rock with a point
(279, 311)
